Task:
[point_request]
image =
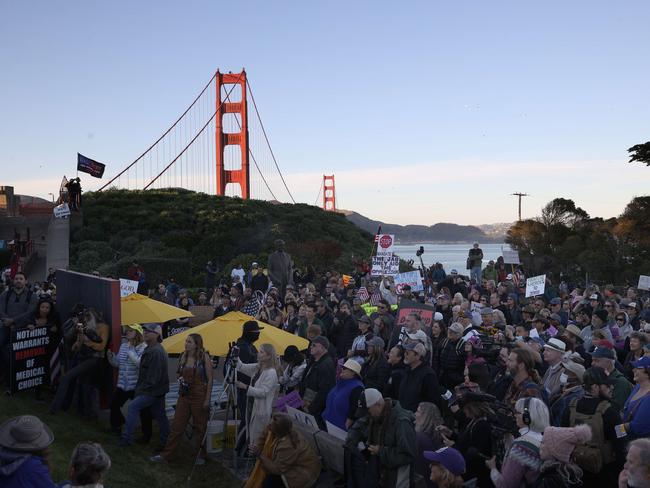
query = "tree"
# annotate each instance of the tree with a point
(640, 153)
(562, 211)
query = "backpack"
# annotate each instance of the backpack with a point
(593, 455)
(12, 292)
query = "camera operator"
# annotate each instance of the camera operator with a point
(88, 351)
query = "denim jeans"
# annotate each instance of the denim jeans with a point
(157, 406)
(475, 274)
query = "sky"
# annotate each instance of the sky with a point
(425, 111)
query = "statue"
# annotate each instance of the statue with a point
(280, 268)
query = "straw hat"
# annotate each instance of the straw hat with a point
(25, 433)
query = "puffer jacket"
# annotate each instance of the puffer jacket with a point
(18, 469)
(452, 363)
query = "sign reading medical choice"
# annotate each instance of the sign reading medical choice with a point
(385, 244)
(30, 361)
(535, 286)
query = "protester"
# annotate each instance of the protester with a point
(151, 388)
(555, 451)
(420, 382)
(319, 379)
(427, 436)
(375, 370)
(522, 462)
(292, 462)
(447, 467)
(387, 435)
(636, 411)
(342, 400)
(89, 464)
(294, 369)
(24, 453)
(194, 376)
(605, 358)
(127, 362)
(525, 379)
(637, 465)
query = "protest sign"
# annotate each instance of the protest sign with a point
(385, 244)
(475, 307)
(535, 286)
(302, 418)
(61, 211)
(644, 282)
(510, 256)
(412, 278)
(385, 266)
(409, 306)
(127, 287)
(29, 360)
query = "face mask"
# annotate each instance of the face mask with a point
(563, 379)
(519, 338)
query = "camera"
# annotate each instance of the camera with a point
(183, 387)
(420, 251)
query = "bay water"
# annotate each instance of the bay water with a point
(452, 256)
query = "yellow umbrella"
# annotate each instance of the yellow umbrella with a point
(139, 309)
(219, 333)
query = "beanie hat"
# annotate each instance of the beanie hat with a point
(601, 314)
(371, 396)
(559, 442)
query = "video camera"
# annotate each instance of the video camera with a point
(420, 251)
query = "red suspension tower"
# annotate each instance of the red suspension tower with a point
(241, 175)
(329, 193)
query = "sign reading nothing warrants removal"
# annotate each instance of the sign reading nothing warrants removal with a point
(535, 285)
(644, 282)
(385, 244)
(30, 358)
(385, 266)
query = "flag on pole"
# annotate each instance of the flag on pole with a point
(90, 166)
(363, 294)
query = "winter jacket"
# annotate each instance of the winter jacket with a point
(342, 402)
(298, 466)
(153, 379)
(376, 374)
(319, 379)
(23, 470)
(14, 305)
(394, 433)
(451, 363)
(127, 361)
(342, 335)
(264, 391)
(419, 385)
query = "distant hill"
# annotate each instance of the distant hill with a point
(441, 232)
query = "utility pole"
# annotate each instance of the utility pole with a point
(519, 194)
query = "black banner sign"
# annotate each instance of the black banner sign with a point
(409, 306)
(30, 358)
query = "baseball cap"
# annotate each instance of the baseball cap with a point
(593, 297)
(371, 396)
(555, 301)
(365, 319)
(376, 341)
(644, 362)
(603, 352)
(454, 272)
(322, 340)
(417, 347)
(486, 311)
(155, 328)
(449, 457)
(456, 327)
(136, 327)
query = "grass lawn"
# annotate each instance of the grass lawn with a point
(130, 467)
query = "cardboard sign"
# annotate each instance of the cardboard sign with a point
(510, 256)
(535, 286)
(385, 266)
(202, 314)
(412, 278)
(61, 211)
(409, 306)
(30, 358)
(302, 418)
(644, 282)
(385, 244)
(128, 287)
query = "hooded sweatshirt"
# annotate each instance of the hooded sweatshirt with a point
(18, 469)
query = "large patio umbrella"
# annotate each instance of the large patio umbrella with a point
(139, 309)
(217, 335)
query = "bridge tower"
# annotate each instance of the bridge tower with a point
(329, 193)
(240, 176)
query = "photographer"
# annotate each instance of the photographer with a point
(88, 351)
(195, 388)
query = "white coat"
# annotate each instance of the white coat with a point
(264, 393)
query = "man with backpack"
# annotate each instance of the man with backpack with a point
(14, 302)
(601, 459)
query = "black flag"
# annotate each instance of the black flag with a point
(90, 166)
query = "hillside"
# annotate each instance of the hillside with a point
(175, 232)
(408, 234)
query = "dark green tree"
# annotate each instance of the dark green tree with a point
(640, 153)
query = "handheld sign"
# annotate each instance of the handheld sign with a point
(510, 256)
(412, 278)
(535, 286)
(385, 266)
(127, 287)
(385, 244)
(61, 211)
(30, 360)
(302, 418)
(644, 282)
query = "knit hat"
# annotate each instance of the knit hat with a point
(575, 368)
(559, 442)
(376, 341)
(372, 396)
(601, 314)
(449, 457)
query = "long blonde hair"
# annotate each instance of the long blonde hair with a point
(274, 360)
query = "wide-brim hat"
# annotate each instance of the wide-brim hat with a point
(574, 330)
(25, 433)
(555, 345)
(353, 366)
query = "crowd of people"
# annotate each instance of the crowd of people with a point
(467, 383)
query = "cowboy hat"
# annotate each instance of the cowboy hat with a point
(25, 433)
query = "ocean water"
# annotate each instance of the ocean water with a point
(452, 256)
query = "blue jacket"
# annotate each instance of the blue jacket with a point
(338, 405)
(637, 414)
(22, 470)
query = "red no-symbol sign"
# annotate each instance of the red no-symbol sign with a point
(385, 241)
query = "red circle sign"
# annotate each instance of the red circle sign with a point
(385, 241)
